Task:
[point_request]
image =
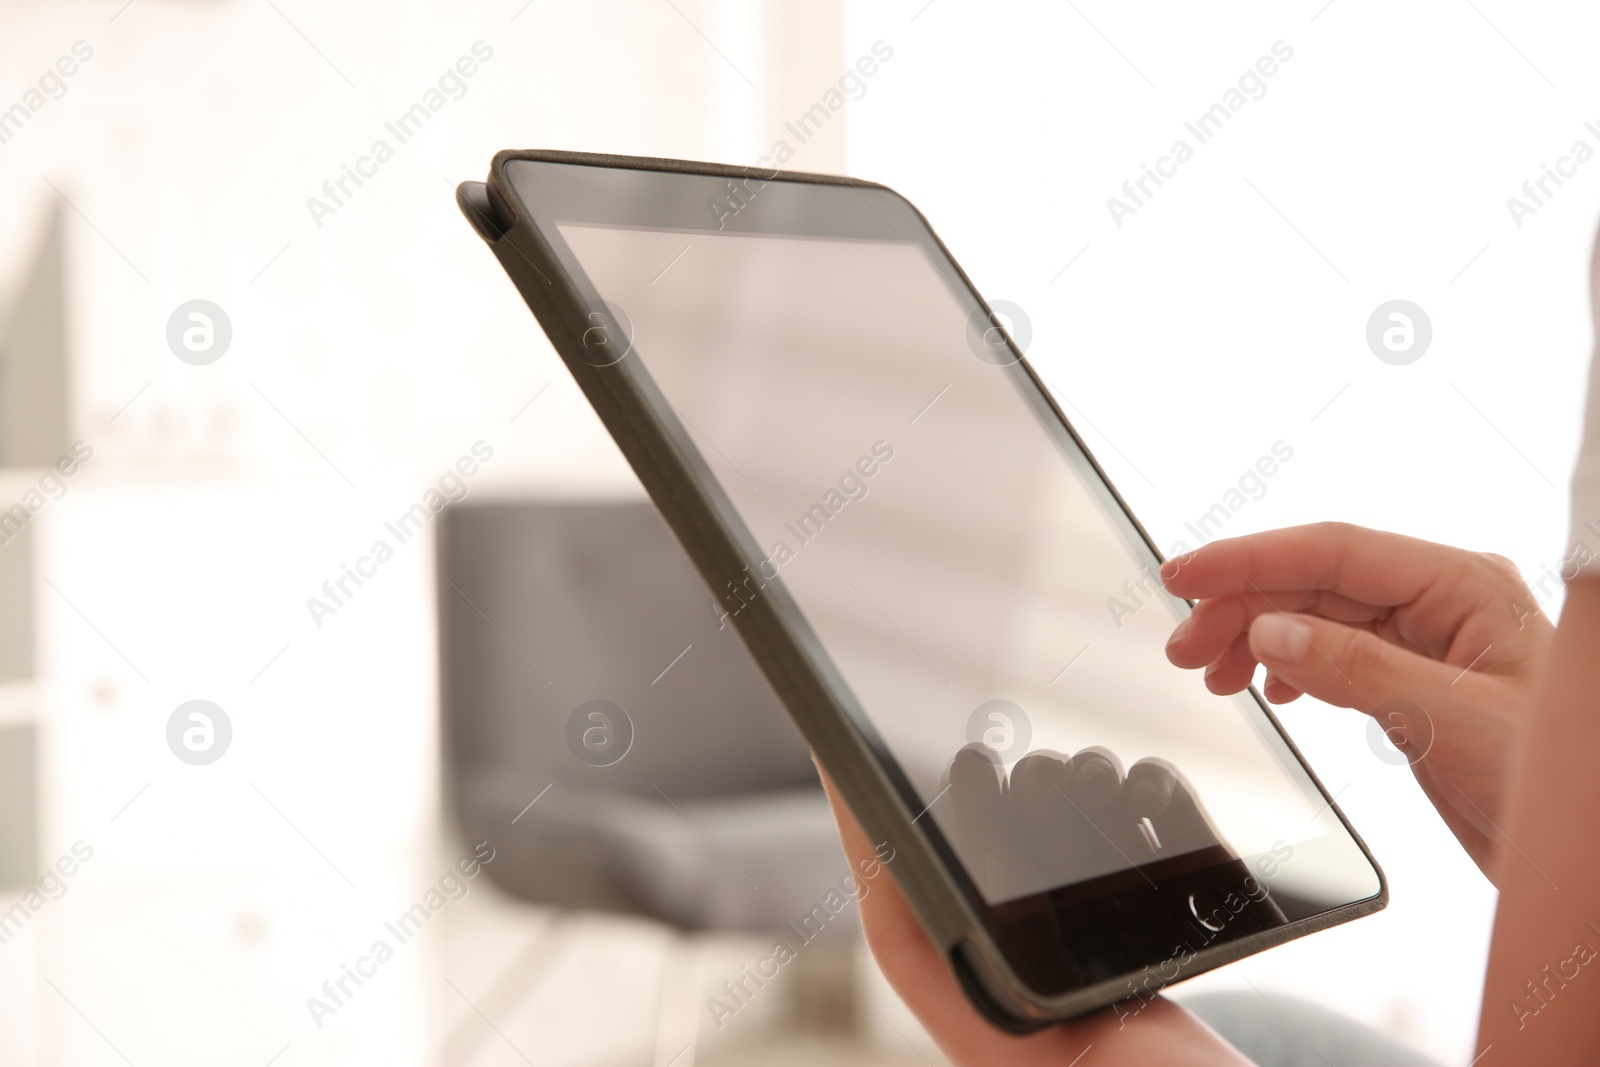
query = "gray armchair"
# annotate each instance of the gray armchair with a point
(713, 818)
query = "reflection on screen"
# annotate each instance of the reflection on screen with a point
(970, 580)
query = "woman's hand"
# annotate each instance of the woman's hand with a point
(1387, 625)
(1161, 1032)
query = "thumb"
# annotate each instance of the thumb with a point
(1343, 665)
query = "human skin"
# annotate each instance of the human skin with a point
(1364, 619)
(1541, 998)
(1535, 1009)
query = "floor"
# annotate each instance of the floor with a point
(523, 984)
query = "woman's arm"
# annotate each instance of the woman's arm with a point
(1541, 1002)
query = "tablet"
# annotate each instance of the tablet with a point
(954, 604)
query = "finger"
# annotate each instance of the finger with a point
(909, 959)
(975, 780)
(1055, 832)
(1347, 666)
(1279, 691)
(1232, 671)
(1039, 784)
(1217, 622)
(1149, 788)
(1365, 565)
(1213, 626)
(1152, 787)
(1096, 779)
(890, 906)
(1065, 846)
(1180, 820)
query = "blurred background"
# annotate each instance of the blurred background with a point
(182, 496)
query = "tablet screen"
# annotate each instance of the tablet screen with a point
(948, 546)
